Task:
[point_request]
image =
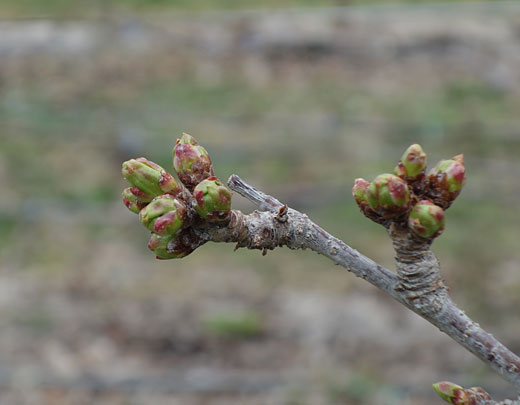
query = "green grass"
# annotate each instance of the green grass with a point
(362, 389)
(234, 326)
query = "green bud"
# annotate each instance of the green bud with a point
(359, 191)
(164, 215)
(131, 201)
(451, 393)
(451, 172)
(446, 179)
(412, 163)
(388, 195)
(212, 200)
(149, 178)
(426, 219)
(191, 161)
(140, 196)
(159, 245)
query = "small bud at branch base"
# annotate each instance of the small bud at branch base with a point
(159, 245)
(426, 219)
(212, 200)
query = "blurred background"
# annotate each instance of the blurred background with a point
(297, 100)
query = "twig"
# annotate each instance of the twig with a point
(417, 284)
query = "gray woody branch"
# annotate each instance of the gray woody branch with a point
(410, 204)
(417, 284)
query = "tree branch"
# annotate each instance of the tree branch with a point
(410, 204)
(417, 284)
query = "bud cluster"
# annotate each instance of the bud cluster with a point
(411, 197)
(169, 209)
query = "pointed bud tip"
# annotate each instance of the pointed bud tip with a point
(414, 148)
(127, 167)
(361, 181)
(458, 158)
(149, 163)
(187, 139)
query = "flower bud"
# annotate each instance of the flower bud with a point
(212, 200)
(450, 392)
(388, 195)
(426, 219)
(446, 179)
(412, 163)
(159, 245)
(164, 215)
(139, 195)
(131, 201)
(149, 178)
(191, 161)
(359, 191)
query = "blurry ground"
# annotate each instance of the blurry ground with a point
(298, 103)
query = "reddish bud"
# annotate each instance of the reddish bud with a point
(212, 200)
(446, 179)
(159, 245)
(359, 191)
(426, 219)
(131, 201)
(191, 161)
(388, 195)
(148, 178)
(140, 195)
(164, 215)
(450, 392)
(412, 163)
